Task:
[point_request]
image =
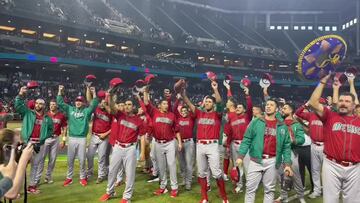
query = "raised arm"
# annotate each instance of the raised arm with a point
(249, 104)
(20, 106)
(60, 100)
(89, 96)
(266, 93)
(112, 106)
(94, 103)
(187, 101)
(300, 112)
(315, 97)
(352, 90)
(336, 86)
(214, 86)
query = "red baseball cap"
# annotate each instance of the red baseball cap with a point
(101, 94)
(148, 78)
(90, 77)
(80, 98)
(246, 82)
(31, 104)
(115, 82)
(32, 84)
(235, 174)
(211, 75)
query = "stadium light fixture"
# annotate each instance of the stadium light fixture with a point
(7, 28)
(334, 28)
(296, 27)
(110, 45)
(201, 58)
(226, 60)
(347, 25)
(72, 39)
(321, 28)
(48, 35)
(351, 22)
(286, 27)
(279, 27)
(272, 27)
(327, 28)
(310, 27)
(211, 59)
(343, 27)
(9, 21)
(303, 27)
(124, 47)
(29, 32)
(89, 42)
(355, 20)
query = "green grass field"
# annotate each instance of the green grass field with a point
(53, 193)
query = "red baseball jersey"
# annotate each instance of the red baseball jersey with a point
(208, 125)
(129, 128)
(236, 126)
(342, 139)
(270, 138)
(185, 126)
(316, 128)
(114, 130)
(35, 135)
(163, 123)
(59, 121)
(102, 121)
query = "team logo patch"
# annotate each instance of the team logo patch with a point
(163, 120)
(206, 121)
(128, 124)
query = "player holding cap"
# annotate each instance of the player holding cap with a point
(297, 138)
(269, 146)
(316, 132)
(51, 145)
(341, 168)
(208, 133)
(238, 119)
(78, 120)
(99, 139)
(164, 123)
(36, 128)
(130, 126)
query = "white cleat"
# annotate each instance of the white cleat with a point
(238, 190)
(314, 195)
(302, 200)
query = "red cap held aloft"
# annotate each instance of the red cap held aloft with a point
(115, 82)
(101, 94)
(32, 84)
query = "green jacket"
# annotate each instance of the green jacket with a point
(29, 118)
(254, 142)
(297, 130)
(78, 119)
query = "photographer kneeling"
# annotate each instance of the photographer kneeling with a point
(13, 161)
(36, 128)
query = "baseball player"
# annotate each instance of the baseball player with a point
(297, 138)
(164, 123)
(36, 128)
(207, 134)
(52, 144)
(130, 126)
(101, 129)
(112, 138)
(78, 121)
(238, 120)
(316, 132)
(341, 168)
(269, 146)
(185, 125)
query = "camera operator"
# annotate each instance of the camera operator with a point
(12, 175)
(36, 128)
